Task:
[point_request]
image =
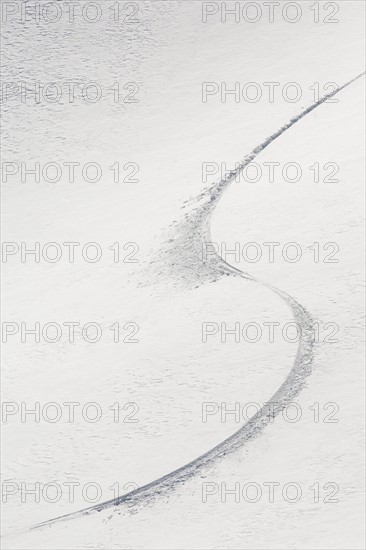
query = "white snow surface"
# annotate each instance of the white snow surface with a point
(171, 372)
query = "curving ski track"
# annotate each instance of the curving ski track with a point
(283, 396)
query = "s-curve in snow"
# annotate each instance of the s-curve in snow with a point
(195, 230)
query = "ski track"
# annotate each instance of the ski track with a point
(198, 221)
